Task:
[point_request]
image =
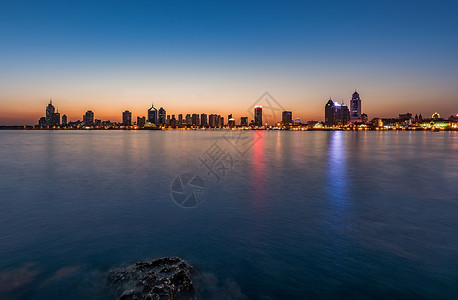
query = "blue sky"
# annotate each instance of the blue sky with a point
(193, 56)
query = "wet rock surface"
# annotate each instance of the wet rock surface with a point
(163, 278)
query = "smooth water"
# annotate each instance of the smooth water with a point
(299, 215)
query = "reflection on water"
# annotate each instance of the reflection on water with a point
(302, 214)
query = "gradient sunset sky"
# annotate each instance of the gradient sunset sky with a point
(220, 56)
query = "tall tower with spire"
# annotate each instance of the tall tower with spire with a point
(355, 108)
(49, 113)
(152, 114)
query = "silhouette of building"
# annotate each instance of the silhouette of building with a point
(42, 121)
(188, 119)
(88, 118)
(287, 118)
(212, 119)
(231, 122)
(258, 115)
(336, 114)
(173, 121)
(64, 120)
(127, 118)
(203, 120)
(180, 119)
(195, 120)
(355, 108)
(244, 121)
(49, 112)
(364, 118)
(329, 113)
(152, 115)
(162, 116)
(55, 119)
(141, 121)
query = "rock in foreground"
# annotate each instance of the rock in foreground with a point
(163, 278)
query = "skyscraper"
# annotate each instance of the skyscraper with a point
(336, 114)
(203, 120)
(88, 118)
(329, 112)
(355, 108)
(162, 116)
(244, 121)
(180, 119)
(195, 120)
(64, 120)
(49, 113)
(127, 118)
(287, 118)
(258, 115)
(141, 121)
(212, 120)
(188, 119)
(55, 119)
(152, 114)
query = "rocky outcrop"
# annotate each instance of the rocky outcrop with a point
(164, 278)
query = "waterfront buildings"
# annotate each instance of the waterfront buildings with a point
(258, 115)
(244, 121)
(336, 113)
(162, 115)
(152, 115)
(141, 121)
(203, 120)
(287, 118)
(355, 108)
(88, 118)
(127, 118)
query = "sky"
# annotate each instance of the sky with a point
(221, 56)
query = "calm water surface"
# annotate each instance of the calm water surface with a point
(300, 215)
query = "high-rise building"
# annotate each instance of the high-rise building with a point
(64, 120)
(336, 114)
(203, 120)
(88, 118)
(173, 121)
(167, 122)
(231, 123)
(244, 121)
(221, 121)
(355, 108)
(55, 119)
(287, 118)
(141, 121)
(162, 116)
(49, 112)
(42, 121)
(152, 114)
(180, 119)
(212, 120)
(188, 119)
(258, 115)
(195, 120)
(127, 118)
(329, 112)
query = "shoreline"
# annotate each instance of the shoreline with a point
(25, 127)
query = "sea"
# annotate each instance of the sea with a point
(258, 214)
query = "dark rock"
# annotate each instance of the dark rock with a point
(164, 278)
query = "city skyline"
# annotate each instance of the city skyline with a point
(109, 58)
(336, 116)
